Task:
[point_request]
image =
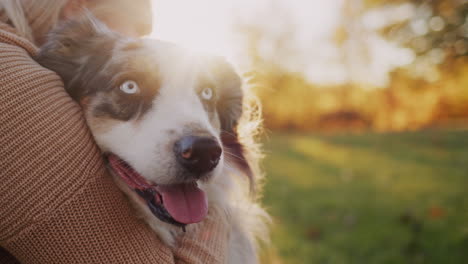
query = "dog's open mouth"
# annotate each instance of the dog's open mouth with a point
(178, 204)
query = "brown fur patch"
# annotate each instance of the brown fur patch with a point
(100, 125)
(234, 152)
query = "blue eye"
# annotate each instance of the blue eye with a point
(207, 94)
(129, 87)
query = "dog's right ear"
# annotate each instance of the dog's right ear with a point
(69, 44)
(75, 32)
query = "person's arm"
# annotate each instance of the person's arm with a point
(57, 202)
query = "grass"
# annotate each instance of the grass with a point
(371, 198)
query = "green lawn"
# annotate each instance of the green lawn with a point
(371, 198)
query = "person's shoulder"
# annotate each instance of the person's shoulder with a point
(9, 41)
(17, 64)
(18, 68)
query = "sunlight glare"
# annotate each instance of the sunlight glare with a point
(208, 26)
(201, 25)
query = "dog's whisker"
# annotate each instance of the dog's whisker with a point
(233, 155)
(228, 132)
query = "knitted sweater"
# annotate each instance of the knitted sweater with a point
(58, 203)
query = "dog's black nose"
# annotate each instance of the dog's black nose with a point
(198, 154)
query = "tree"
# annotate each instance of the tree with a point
(437, 31)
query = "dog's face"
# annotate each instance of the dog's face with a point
(164, 117)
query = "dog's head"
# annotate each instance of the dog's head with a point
(165, 118)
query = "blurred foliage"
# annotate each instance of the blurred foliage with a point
(368, 198)
(431, 90)
(437, 33)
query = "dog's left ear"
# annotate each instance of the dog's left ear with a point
(229, 108)
(70, 43)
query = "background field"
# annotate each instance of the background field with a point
(370, 198)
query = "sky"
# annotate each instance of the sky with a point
(206, 26)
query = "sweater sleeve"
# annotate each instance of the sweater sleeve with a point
(57, 202)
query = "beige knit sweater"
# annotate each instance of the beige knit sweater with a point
(57, 202)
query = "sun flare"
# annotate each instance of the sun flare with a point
(202, 26)
(212, 26)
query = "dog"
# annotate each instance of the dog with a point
(169, 125)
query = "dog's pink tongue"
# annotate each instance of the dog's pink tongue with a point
(186, 203)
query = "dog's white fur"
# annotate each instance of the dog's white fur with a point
(147, 146)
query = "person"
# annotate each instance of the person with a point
(58, 204)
